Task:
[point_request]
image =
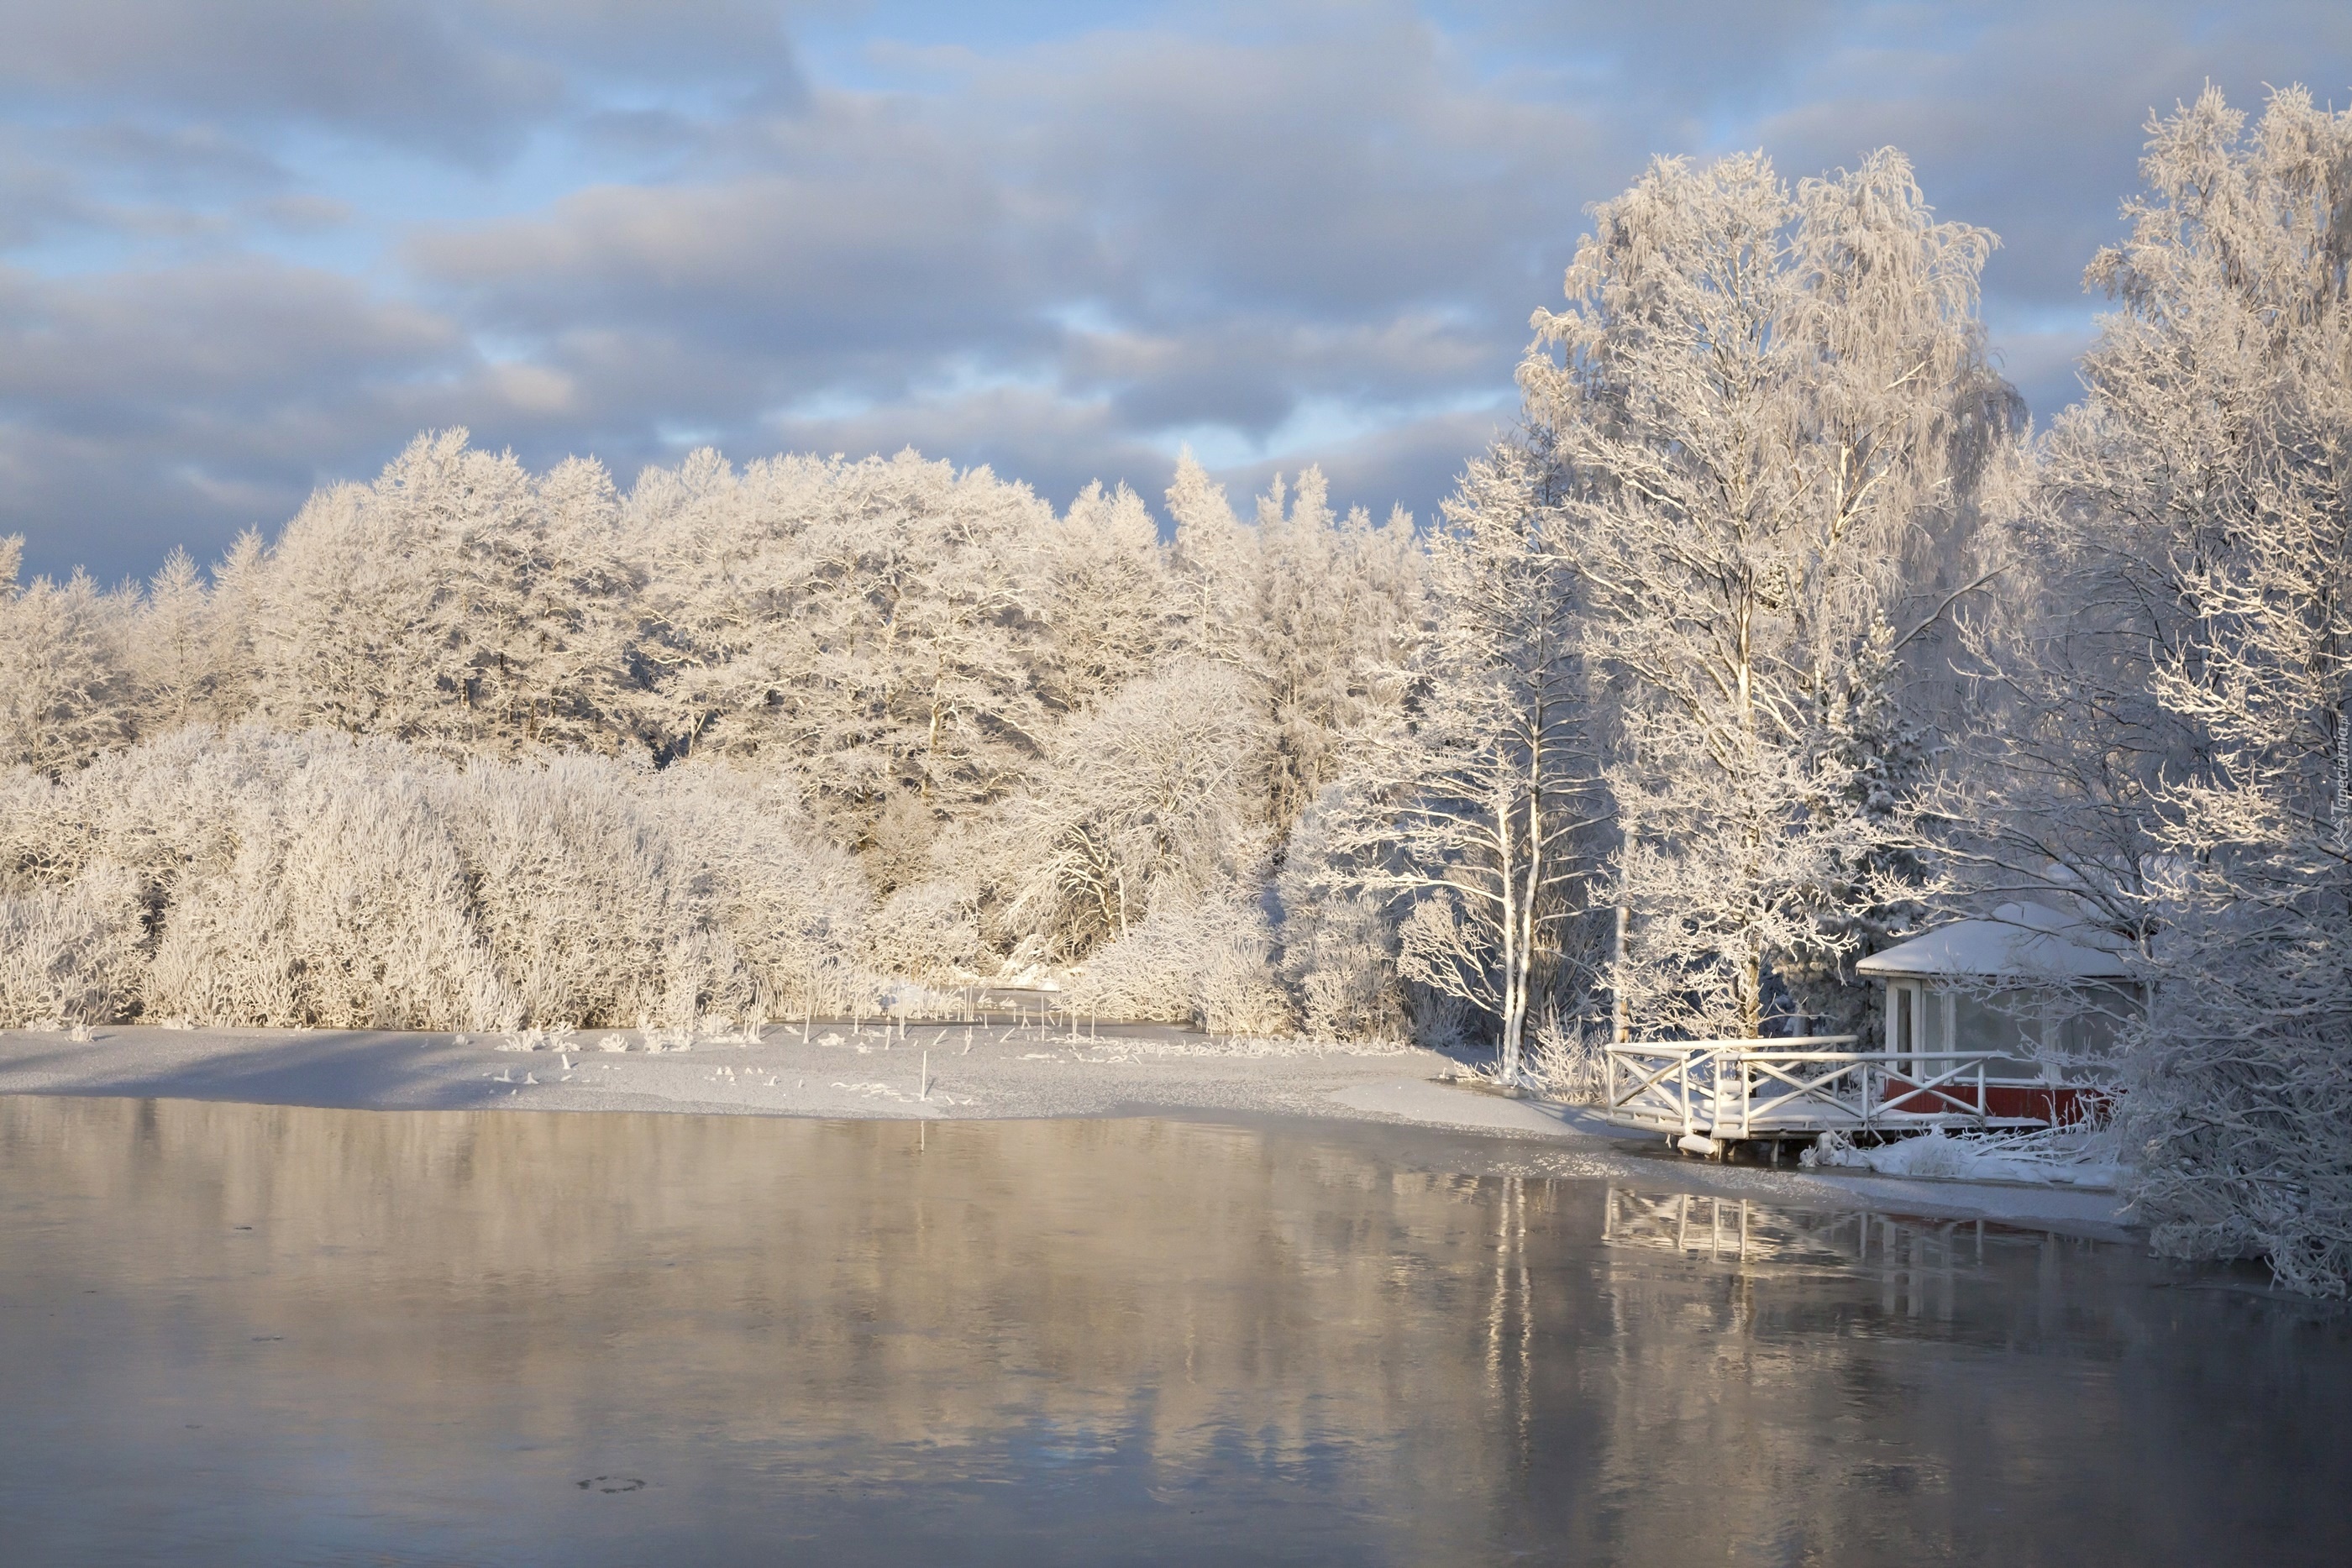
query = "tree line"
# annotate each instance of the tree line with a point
(1769, 633)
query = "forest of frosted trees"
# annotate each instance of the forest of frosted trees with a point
(1769, 635)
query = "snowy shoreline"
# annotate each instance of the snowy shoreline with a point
(930, 1073)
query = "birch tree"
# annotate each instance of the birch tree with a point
(1766, 413)
(1474, 809)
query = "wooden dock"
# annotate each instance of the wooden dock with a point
(1706, 1095)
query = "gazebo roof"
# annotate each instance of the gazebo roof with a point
(2021, 941)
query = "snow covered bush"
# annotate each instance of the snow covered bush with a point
(1567, 1060)
(1339, 942)
(337, 898)
(71, 954)
(1139, 803)
(594, 909)
(323, 880)
(792, 908)
(1207, 962)
(1339, 958)
(928, 932)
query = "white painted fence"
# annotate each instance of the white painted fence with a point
(1729, 1090)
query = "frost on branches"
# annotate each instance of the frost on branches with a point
(1478, 810)
(1768, 418)
(2206, 481)
(471, 746)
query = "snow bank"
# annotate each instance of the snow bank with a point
(2058, 1158)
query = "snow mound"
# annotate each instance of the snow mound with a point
(2060, 1157)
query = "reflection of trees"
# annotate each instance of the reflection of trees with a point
(919, 1305)
(1440, 1365)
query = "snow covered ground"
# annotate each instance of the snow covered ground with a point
(970, 1071)
(2088, 1160)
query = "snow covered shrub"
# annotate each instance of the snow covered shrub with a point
(927, 931)
(793, 907)
(324, 880)
(1567, 1062)
(593, 911)
(71, 952)
(2239, 1093)
(1440, 1020)
(1139, 800)
(1207, 963)
(335, 899)
(1341, 961)
(1339, 945)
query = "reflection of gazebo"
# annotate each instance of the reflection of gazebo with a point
(2029, 984)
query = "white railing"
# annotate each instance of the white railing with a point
(1727, 1089)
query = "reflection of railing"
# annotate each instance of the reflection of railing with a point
(1733, 1088)
(1919, 1262)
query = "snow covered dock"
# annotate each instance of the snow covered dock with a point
(1710, 1092)
(1980, 1016)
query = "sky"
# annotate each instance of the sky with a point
(249, 248)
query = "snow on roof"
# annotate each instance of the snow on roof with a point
(2020, 940)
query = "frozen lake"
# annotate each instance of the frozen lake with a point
(240, 1333)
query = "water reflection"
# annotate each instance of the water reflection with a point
(240, 1333)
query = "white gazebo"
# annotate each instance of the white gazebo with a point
(2038, 988)
(1992, 1024)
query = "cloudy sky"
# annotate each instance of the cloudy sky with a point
(247, 247)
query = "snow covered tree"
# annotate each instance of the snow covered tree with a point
(171, 645)
(65, 689)
(1316, 610)
(1479, 810)
(1214, 564)
(1336, 603)
(457, 601)
(870, 624)
(2201, 499)
(1141, 802)
(1103, 597)
(1765, 414)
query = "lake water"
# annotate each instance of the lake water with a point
(244, 1334)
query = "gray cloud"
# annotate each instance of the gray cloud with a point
(1313, 233)
(467, 78)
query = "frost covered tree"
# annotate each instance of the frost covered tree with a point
(169, 648)
(1103, 597)
(2199, 505)
(1336, 605)
(1479, 810)
(1767, 416)
(1316, 610)
(1141, 802)
(65, 688)
(871, 624)
(457, 601)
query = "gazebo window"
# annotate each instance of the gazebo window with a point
(2035, 990)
